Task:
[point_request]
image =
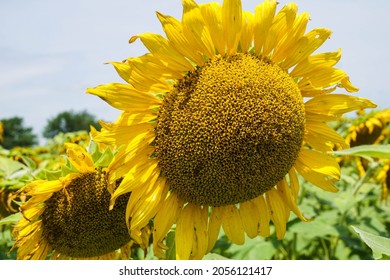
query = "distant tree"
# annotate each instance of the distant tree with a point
(15, 134)
(69, 121)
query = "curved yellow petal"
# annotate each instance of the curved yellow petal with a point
(195, 28)
(320, 78)
(184, 238)
(250, 217)
(284, 48)
(321, 137)
(232, 224)
(319, 169)
(278, 212)
(79, 158)
(175, 34)
(264, 229)
(137, 176)
(335, 105)
(165, 218)
(200, 244)
(231, 24)
(289, 198)
(161, 49)
(214, 227)
(305, 46)
(328, 59)
(264, 15)
(125, 97)
(132, 70)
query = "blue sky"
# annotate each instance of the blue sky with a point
(51, 51)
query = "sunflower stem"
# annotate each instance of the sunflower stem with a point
(372, 166)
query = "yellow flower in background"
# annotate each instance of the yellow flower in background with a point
(218, 120)
(1, 132)
(69, 218)
(372, 128)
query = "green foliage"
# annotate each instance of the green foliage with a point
(69, 121)
(16, 134)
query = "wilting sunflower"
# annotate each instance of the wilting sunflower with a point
(69, 218)
(219, 118)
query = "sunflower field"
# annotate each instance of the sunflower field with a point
(353, 223)
(236, 139)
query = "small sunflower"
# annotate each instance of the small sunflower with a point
(69, 218)
(218, 120)
(372, 128)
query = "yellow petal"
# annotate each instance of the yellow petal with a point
(185, 233)
(281, 25)
(212, 14)
(165, 218)
(195, 28)
(284, 48)
(334, 105)
(305, 46)
(231, 24)
(346, 83)
(147, 206)
(125, 97)
(250, 217)
(136, 177)
(319, 169)
(214, 227)
(321, 137)
(277, 211)
(328, 59)
(320, 78)
(264, 15)
(289, 198)
(232, 225)
(200, 242)
(161, 49)
(247, 26)
(133, 71)
(175, 34)
(79, 158)
(264, 229)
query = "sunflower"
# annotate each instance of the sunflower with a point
(69, 218)
(219, 118)
(372, 128)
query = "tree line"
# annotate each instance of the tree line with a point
(13, 131)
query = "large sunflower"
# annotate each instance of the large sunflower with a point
(219, 118)
(69, 217)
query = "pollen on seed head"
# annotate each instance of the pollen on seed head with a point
(77, 221)
(230, 130)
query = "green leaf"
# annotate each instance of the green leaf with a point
(380, 245)
(11, 219)
(9, 166)
(375, 151)
(213, 256)
(170, 242)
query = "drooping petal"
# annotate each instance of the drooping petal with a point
(200, 244)
(214, 227)
(321, 137)
(185, 233)
(335, 105)
(278, 212)
(264, 228)
(318, 168)
(232, 224)
(250, 217)
(165, 218)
